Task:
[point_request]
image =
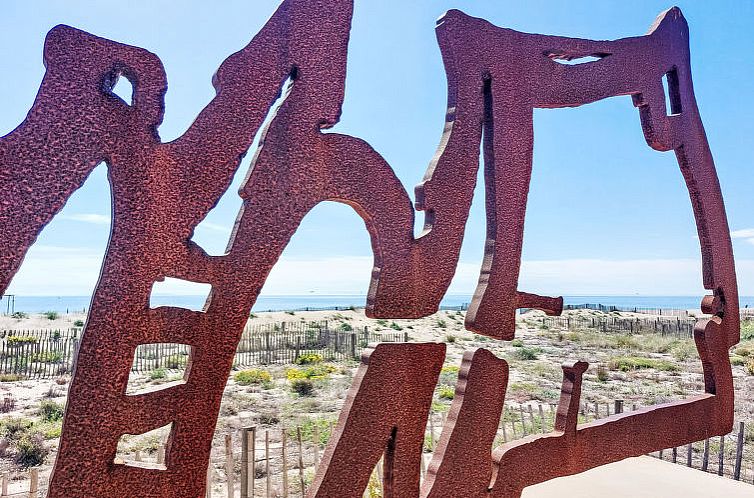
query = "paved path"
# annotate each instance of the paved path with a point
(642, 477)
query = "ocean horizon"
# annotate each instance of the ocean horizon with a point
(79, 304)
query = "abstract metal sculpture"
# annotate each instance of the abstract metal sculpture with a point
(162, 191)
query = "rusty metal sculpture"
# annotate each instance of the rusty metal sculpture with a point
(162, 191)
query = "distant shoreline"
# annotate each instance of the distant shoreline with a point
(79, 304)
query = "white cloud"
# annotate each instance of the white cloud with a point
(50, 270)
(215, 227)
(747, 234)
(96, 219)
(744, 233)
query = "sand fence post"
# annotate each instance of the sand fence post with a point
(542, 419)
(284, 455)
(268, 489)
(705, 455)
(248, 456)
(229, 464)
(315, 435)
(739, 452)
(208, 492)
(300, 461)
(720, 456)
(34, 483)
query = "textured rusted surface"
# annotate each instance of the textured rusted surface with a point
(162, 191)
(385, 413)
(462, 461)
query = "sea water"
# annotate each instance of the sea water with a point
(78, 304)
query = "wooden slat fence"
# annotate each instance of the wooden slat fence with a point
(265, 462)
(674, 326)
(38, 354)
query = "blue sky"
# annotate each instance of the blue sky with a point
(606, 215)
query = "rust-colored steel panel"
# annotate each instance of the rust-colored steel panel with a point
(162, 191)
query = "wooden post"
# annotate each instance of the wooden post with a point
(137, 456)
(675, 455)
(531, 419)
(739, 452)
(248, 435)
(229, 464)
(431, 432)
(208, 492)
(720, 456)
(4, 486)
(618, 406)
(523, 421)
(705, 455)
(689, 454)
(160, 455)
(268, 490)
(284, 454)
(315, 435)
(34, 483)
(542, 418)
(505, 433)
(300, 461)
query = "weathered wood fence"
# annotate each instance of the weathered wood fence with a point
(676, 326)
(267, 462)
(50, 353)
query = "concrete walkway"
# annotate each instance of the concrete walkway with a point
(642, 477)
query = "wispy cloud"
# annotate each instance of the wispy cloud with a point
(95, 219)
(70, 271)
(746, 234)
(215, 227)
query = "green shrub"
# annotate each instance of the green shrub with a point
(441, 324)
(12, 428)
(252, 376)
(602, 374)
(51, 315)
(17, 340)
(176, 361)
(345, 327)
(737, 361)
(158, 374)
(517, 343)
(252, 315)
(290, 312)
(47, 357)
(31, 450)
(316, 371)
(747, 330)
(10, 377)
(309, 358)
(78, 323)
(19, 315)
(527, 354)
(302, 387)
(683, 351)
(50, 411)
(628, 363)
(49, 430)
(746, 350)
(310, 426)
(450, 339)
(395, 326)
(446, 392)
(750, 367)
